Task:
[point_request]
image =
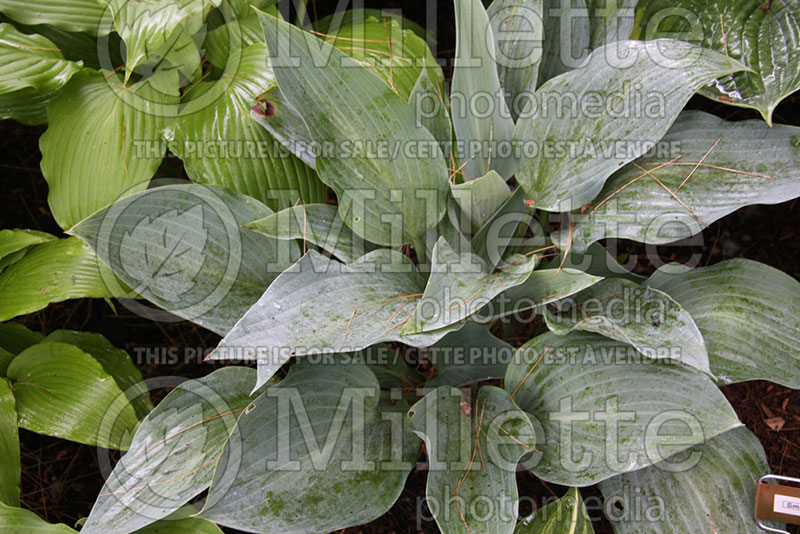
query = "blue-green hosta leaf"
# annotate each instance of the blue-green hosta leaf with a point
(635, 314)
(502, 230)
(597, 260)
(749, 314)
(286, 125)
(221, 145)
(572, 28)
(372, 44)
(69, 15)
(713, 491)
(61, 391)
(385, 195)
(567, 37)
(480, 199)
(18, 239)
(473, 451)
(606, 409)
(431, 108)
(182, 248)
(174, 452)
(518, 31)
(765, 36)
(461, 284)
(102, 142)
(31, 61)
(318, 224)
(567, 515)
(54, 271)
(15, 337)
(322, 306)
(611, 21)
(116, 362)
(466, 356)
(581, 127)
(314, 453)
(737, 164)
(542, 287)
(9, 447)
(482, 122)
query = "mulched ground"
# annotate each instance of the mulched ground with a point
(61, 479)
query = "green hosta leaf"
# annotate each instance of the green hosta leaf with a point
(395, 55)
(5, 361)
(710, 488)
(174, 452)
(542, 287)
(607, 409)
(116, 362)
(322, 306)
(31, 61)
(751, 164)
(183, 248)
(385, 195)
(518, 31)
(27, 106)
(480, 199)
(469, 355)
(9, 447)
(15, 337)
(583, 126)
(19, 520)
(480, 114)
(319, 224)
(765, 36)
(221, 145)
(222, 44)
(186, 525)
(53, 272)
(69, 15)
(75, 46)
(749, 315)
(61, 391)
(157, 28)
(567, 515)
(638, 315)
(13, 519)
(14, 240)
(473, 452)
(461, 284)
(328, 25)
(102, 142)
(312, 454)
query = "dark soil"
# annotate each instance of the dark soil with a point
(62, 479)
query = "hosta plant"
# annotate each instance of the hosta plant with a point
(417, 276)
